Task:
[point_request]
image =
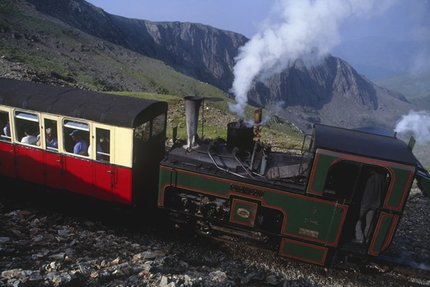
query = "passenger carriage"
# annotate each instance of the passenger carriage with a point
(125, 138)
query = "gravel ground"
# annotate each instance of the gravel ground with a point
(48, 240)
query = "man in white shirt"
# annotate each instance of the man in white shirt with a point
(28, 138)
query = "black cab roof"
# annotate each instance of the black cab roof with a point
(362, 143)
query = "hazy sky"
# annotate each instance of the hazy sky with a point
(240, 16)
(246, 16)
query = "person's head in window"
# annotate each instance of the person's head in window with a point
(81, 145)
(51, 141)
(49, 133)
(76, 135)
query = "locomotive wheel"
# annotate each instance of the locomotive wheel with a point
(204, 228)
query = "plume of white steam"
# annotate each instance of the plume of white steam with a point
(416, 124)
(303, 29)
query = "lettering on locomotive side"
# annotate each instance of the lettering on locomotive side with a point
(314, 222)
(247, 190)
(308, 232)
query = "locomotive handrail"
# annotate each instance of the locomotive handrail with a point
(235, 150)
(216, 165)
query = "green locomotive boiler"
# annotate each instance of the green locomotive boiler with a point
(305, 204)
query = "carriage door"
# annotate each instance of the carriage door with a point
(103, 172)
(53, 161)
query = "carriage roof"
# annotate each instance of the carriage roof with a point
(104, 108)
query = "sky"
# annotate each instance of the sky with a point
(246, 16)
(242, 16)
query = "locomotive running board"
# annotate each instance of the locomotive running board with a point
(247, 234)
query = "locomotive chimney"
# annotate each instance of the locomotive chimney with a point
(257, 116)
(192, 106)
(257, 121)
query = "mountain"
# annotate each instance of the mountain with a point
(332, 93)
(414, 85)
(76, 43)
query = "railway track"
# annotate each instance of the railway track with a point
(405, 268)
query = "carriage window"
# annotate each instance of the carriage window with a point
(342, 180)
(76, 137)
(102, 145)
(26, 128)
(158, 124)
(4, 123)
(143, 132)
(51, 135)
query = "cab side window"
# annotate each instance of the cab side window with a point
(26, 128)
(5, 125)
(76, 137)
(342, 180)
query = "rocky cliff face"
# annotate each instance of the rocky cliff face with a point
(331, 93)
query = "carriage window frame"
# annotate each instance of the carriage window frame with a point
(102, 138)
(68, 126)
(73, 124)
(22, 120)
(143, 131)
(5, 120)
(151, 128)
(53, 125)
(158, 124)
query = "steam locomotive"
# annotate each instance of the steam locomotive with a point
(304, 204)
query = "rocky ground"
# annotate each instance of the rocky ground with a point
(50, 240)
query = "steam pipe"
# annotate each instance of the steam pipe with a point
(216, 165)
(253, 153)
(235, 150)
